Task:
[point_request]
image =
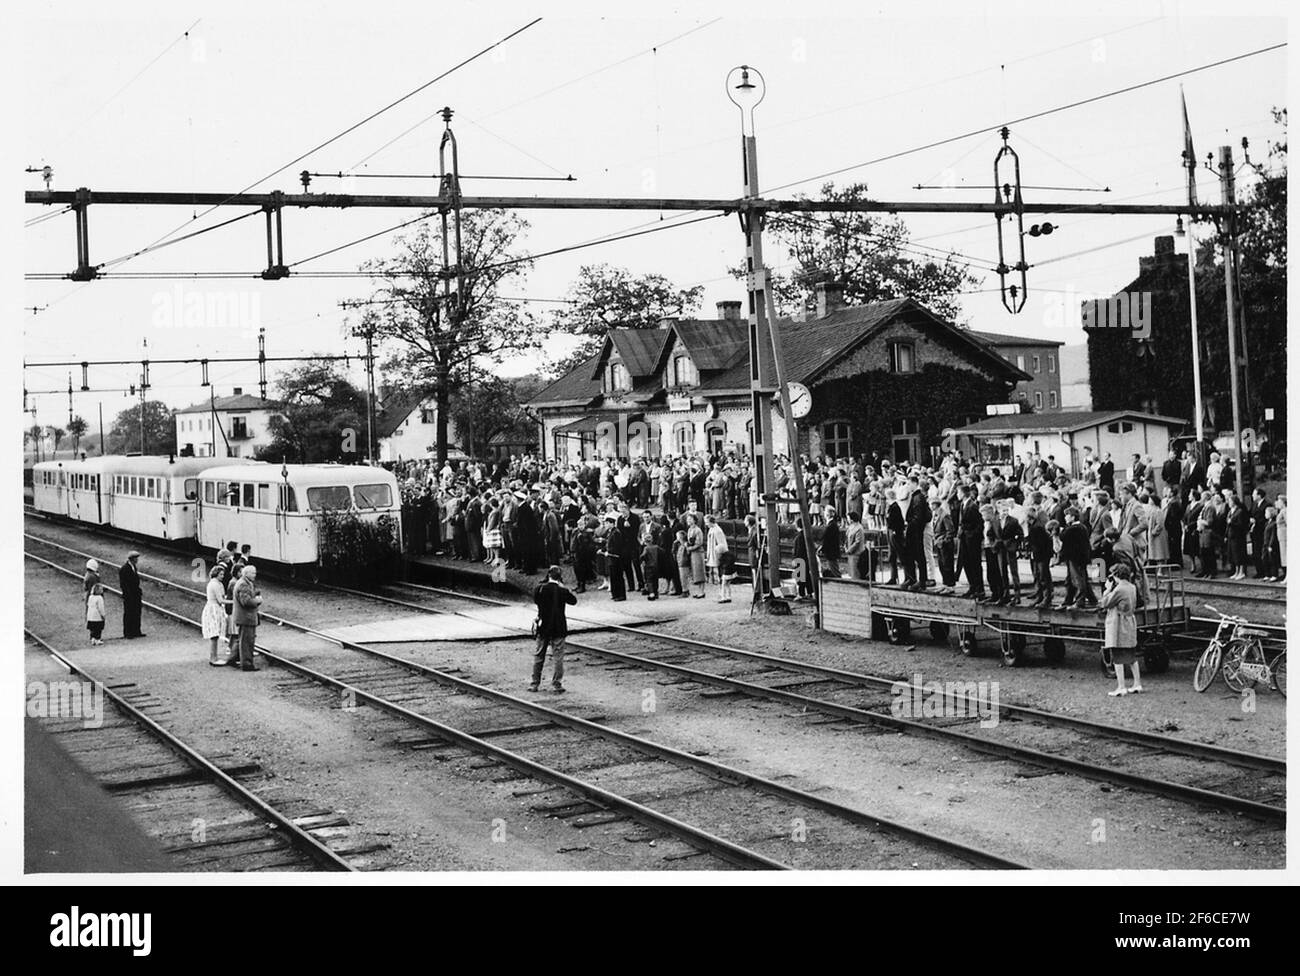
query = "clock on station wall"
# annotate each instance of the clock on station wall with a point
(800, 400)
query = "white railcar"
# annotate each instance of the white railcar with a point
(272, 508)
(75, 489)
(156, 496)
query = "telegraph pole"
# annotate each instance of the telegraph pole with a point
(1228, 184)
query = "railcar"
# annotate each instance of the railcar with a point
(273, 508)
(156, 496)
(74, 489)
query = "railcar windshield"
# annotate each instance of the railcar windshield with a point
(373, 496)
(329, 496)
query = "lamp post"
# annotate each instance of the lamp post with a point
(746, 89)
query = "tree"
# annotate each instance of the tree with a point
(866, 253)
(324, 417)
(603, 296)
(34, 433)
(77, 428)
(430, 338)
(494, 405)
(159, 430)
(56, 437)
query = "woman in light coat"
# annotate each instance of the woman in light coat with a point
(1157, 537)
(695, 546)
(718, 561)
(214, 615)
(1119, 602)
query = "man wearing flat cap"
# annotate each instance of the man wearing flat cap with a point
(128, 581)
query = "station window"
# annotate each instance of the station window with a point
(1051, 398)
(1038, 364)
(902, 357)
(684, 372)
(684, 438)
(837, 439)
(1038, 399)
(1051, 363)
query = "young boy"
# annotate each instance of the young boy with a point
(95, 614)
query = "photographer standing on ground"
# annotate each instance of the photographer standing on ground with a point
(551, 597)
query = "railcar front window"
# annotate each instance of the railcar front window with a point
(373, 496)
(191, 489)
(329, 497)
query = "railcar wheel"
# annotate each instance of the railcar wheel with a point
(1054, 649)
(939, 630)
(1279, 674)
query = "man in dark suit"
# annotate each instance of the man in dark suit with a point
(916, 518)
(971, 544)
(128, 581)
(551, 597)
(1171, 472)
(1106, 474)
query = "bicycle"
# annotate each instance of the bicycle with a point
(1244, 665)
(1231, 633)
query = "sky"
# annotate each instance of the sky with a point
(630, 104)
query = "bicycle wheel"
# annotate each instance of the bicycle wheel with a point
(1207, 668)
(1279, 674)
(1235, 655)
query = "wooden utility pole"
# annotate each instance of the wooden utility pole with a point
(1228, 237)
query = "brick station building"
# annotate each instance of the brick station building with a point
(887, 377)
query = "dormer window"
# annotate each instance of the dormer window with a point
(617, 378)
(684, 373)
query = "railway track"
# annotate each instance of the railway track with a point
(610, 775)
(165, 784)
(1226, 779)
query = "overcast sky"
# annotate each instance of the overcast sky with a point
(630, 106)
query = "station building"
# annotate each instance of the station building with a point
(887, 377)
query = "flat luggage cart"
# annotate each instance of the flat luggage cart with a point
(891, 611)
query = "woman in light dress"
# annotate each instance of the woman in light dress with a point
(214, 615)
(1280, 504)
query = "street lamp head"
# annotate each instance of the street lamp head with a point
(746, 89)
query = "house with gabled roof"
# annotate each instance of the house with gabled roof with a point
(887, 378)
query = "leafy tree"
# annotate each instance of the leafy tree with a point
(56, 436)
(866, 253)
(492, 405)
(324, 417)
(159, 430)
(429, 338)
(77, 428)
(604, 296)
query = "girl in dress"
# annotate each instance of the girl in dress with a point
(95, 614)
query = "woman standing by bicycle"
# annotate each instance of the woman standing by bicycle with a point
(1119, 602)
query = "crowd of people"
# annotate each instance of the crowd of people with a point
(936, 522)
(653, 525)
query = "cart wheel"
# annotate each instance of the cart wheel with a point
(1013, 649)
(897, 629)
(939, 630)
(1155, 659)
(1279, 674)
(878, 631)
(1054, 649)
(891, 630)
(966, 641)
